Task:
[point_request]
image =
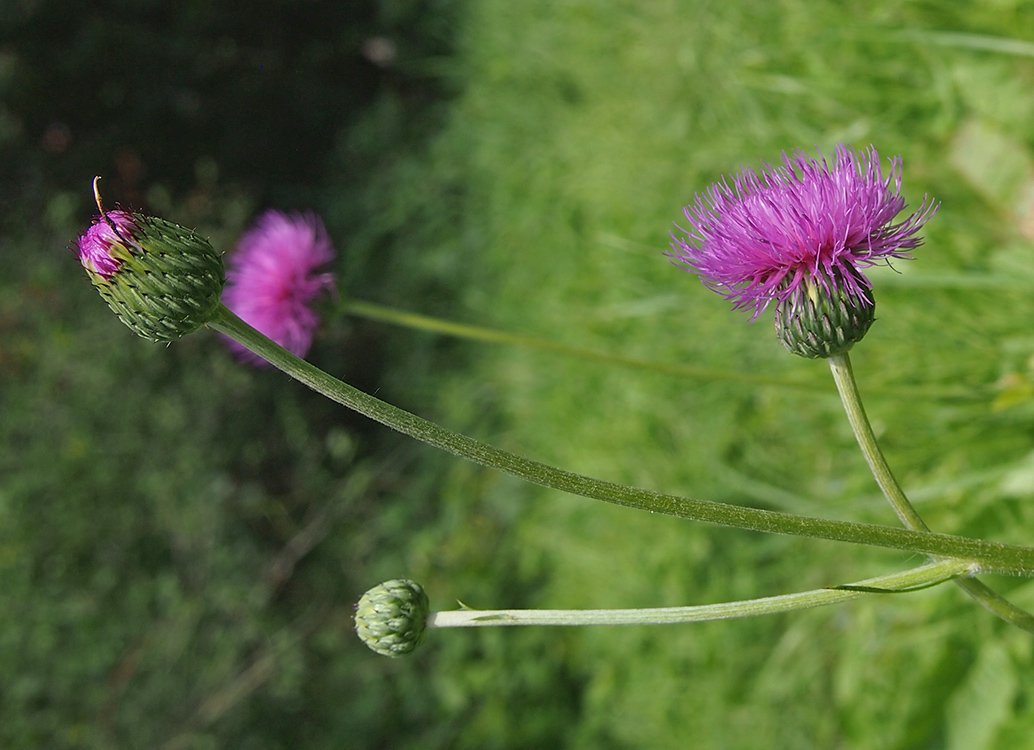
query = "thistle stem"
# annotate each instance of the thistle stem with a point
(486, 335)
(1004, 558)
(847, 387)
(483, 334)
(909, 580)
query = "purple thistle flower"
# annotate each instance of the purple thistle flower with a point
(94, 247)
(272, 279)
(806, 223)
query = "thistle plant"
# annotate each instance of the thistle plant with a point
(393, 618)
(799, 236)
(165, 281)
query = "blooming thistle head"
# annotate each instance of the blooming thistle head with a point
(161, 279)
(391, 618)
(273, 281)
(799, 235)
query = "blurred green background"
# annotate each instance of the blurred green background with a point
(182, 538)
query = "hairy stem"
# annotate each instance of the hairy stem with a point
(847, 387)
(485, 335)
(1010, 559)
(908, 580)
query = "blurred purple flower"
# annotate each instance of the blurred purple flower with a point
(762, 238)
(272, 279)
(95, 245)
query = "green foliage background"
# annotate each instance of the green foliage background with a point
(182, 538)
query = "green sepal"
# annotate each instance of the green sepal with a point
(823, 320)
(168, 282)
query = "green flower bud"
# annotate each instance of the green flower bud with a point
(823, 319)
(162, 280)
(390, 618)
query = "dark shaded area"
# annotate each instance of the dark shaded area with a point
(182, 538)
(154, 90)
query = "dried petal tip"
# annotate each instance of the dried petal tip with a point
(821, 321)
(162, 280)
(390, 618)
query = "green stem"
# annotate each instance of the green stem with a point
(1010, 559)
(416, 321)
(908, 580)
(847, 387)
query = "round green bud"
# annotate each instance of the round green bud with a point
(390, 618)
(161, 279)
(819, 320)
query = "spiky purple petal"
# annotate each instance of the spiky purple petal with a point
(94, 246)
(759, 239)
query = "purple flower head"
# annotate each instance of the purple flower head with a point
(806, 222)
(94, 247)
(272, 279)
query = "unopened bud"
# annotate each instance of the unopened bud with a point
(390, 618)
(161, 279)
